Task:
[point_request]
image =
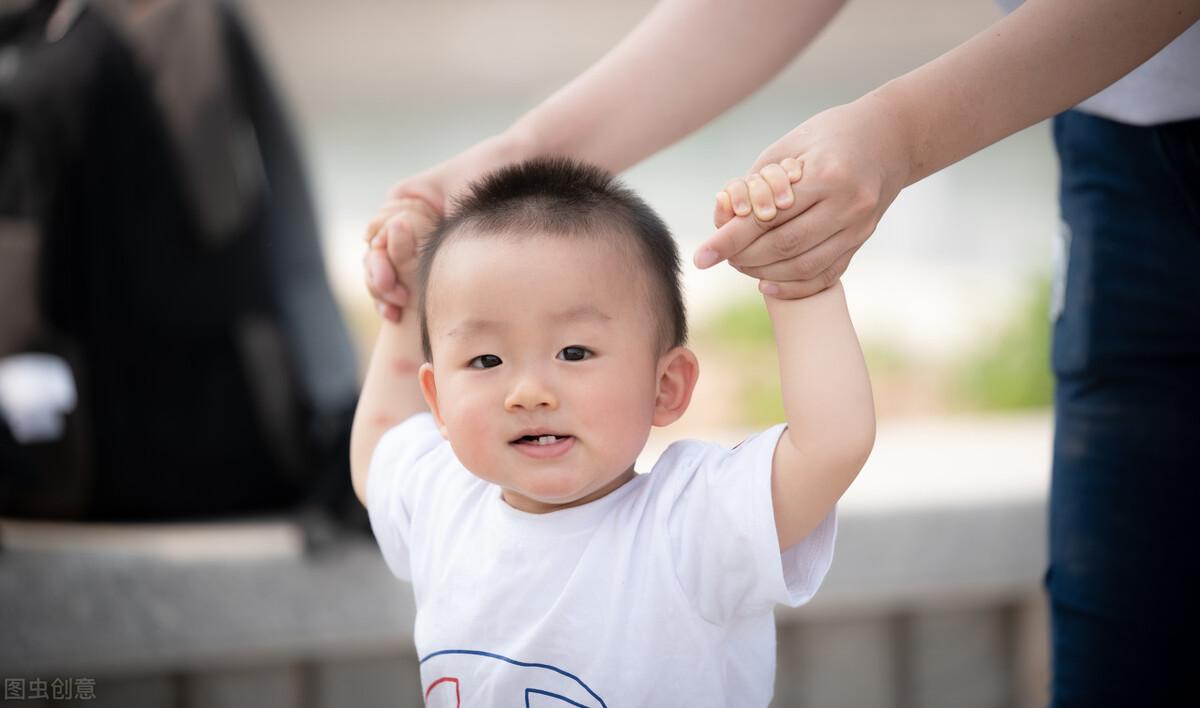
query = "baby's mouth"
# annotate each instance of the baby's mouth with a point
(539, 440)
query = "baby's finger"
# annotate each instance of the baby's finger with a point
(370, 277)
(422, 217)
(375, 227)
(739, 195)
(425, 216)
(381, 279)
(388, 312)
(401, 243)
(781, 187)
(723, 211)
(389, 209)
(793, 167)
(761, 198)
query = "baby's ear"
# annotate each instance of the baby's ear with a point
(678, 371)
(429, 390)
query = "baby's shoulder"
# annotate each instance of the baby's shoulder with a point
(691, 453)
(681, 461)
(419, 457)
(685, 461)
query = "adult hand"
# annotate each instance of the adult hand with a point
(854, 161)
(427, 197)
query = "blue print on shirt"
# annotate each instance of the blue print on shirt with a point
(533, 685)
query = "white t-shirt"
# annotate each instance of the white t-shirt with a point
(659, 594)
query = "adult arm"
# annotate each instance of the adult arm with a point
(685, 63)
(1045, 57)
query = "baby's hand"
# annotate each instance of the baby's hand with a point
(761, 194)
(392, 238)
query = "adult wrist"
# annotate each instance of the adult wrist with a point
(904, 138)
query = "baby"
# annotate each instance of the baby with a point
(499, 474)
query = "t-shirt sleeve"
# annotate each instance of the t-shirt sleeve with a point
(393, 475)
(724, 543)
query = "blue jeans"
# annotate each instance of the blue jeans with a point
(1125, 496)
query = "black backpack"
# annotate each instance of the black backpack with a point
(158, 237)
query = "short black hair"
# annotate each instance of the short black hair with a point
(564, 197)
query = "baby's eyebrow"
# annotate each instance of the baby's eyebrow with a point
(582, 312)
(472, 326)
(475, 325)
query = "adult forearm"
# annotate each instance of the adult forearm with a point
(684, 64)
(1045, 57)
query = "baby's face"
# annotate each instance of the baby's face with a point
(545, 363)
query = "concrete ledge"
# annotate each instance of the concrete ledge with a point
(99, 614)
(921, 558)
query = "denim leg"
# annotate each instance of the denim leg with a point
(1125, 493)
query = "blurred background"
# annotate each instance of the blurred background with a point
(385, 89)
(934, 598)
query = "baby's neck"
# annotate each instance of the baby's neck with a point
(534, 506)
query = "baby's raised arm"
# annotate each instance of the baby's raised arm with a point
(826, 391)
(390, 392)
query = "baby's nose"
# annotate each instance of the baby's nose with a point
(530, 393)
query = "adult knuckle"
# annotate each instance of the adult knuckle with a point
(836, 171)
(788, 242)
(872, 223)
(865, 200)
(806, 267)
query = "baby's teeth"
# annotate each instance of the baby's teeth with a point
(546, 439)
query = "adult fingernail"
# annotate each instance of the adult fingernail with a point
(707, 258)
(768, 288)
(381, 309)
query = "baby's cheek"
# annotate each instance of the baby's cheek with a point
(627, 414)
(471, 447)
(470, 425)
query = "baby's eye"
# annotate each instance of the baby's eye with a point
(574, 354)
(484, 361)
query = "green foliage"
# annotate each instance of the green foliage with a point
(763, 402)
(742, 337)
(1012, 370)
(885, 359)
(1007, 371)
(743, 325)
